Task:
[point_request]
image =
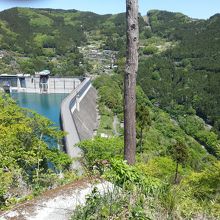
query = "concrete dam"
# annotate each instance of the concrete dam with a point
(39, 83)
(79, 118)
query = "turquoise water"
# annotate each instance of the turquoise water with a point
(47, 105)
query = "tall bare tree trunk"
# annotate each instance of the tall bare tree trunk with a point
(130, 81)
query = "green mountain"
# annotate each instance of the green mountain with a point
(188, 72)
(179, 56)
(36, 39)
(24, 29)
(32, 30)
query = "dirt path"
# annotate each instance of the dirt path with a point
(115, 123)
(56, 204)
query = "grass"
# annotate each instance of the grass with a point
(106, 125)
(106, 121)
(160, 43)
(36, 19)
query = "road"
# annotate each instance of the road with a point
(115, 123)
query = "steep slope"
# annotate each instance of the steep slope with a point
(188, 73)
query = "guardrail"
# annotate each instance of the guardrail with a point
(68, 105)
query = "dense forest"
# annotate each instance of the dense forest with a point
(187, 73)
(36, 39)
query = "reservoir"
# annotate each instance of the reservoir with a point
(47, 105)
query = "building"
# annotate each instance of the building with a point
(44, 80)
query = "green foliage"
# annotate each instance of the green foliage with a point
(105, 124)
(143, 120)
(149, 50)
(128, 177)
(92, 201)
(168, 149)
(195, 127)
(25, 159)
(33, 35)
(160, 167)
(110, 92)
(156, 130)
(188, 72)
(155, 75)
(100, 149)
(179, 152)
(142, 196)
(205, 185)
(43, 40)
(35, 19)
(128, 202)
(112, 99)
(101, 206)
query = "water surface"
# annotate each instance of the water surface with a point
(47, 105)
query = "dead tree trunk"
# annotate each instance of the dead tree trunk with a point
(130, 81)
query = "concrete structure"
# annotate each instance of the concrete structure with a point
(54, 85)
(8, 81)
(37, 84)
(85, 116)
(44, 80)
(59, 203)
(79, 118)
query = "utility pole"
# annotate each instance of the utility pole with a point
(130, 81)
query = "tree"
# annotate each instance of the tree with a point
(130, 81)
(25, 156)
(179, 153)
(143, 122)
(143, 119)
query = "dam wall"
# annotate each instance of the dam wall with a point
(32, 84)
(86, 116)
(79, 118)
(55, 85)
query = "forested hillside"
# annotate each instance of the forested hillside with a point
(174, 176)
(179, 62)
(36, 39)
(188, 73)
